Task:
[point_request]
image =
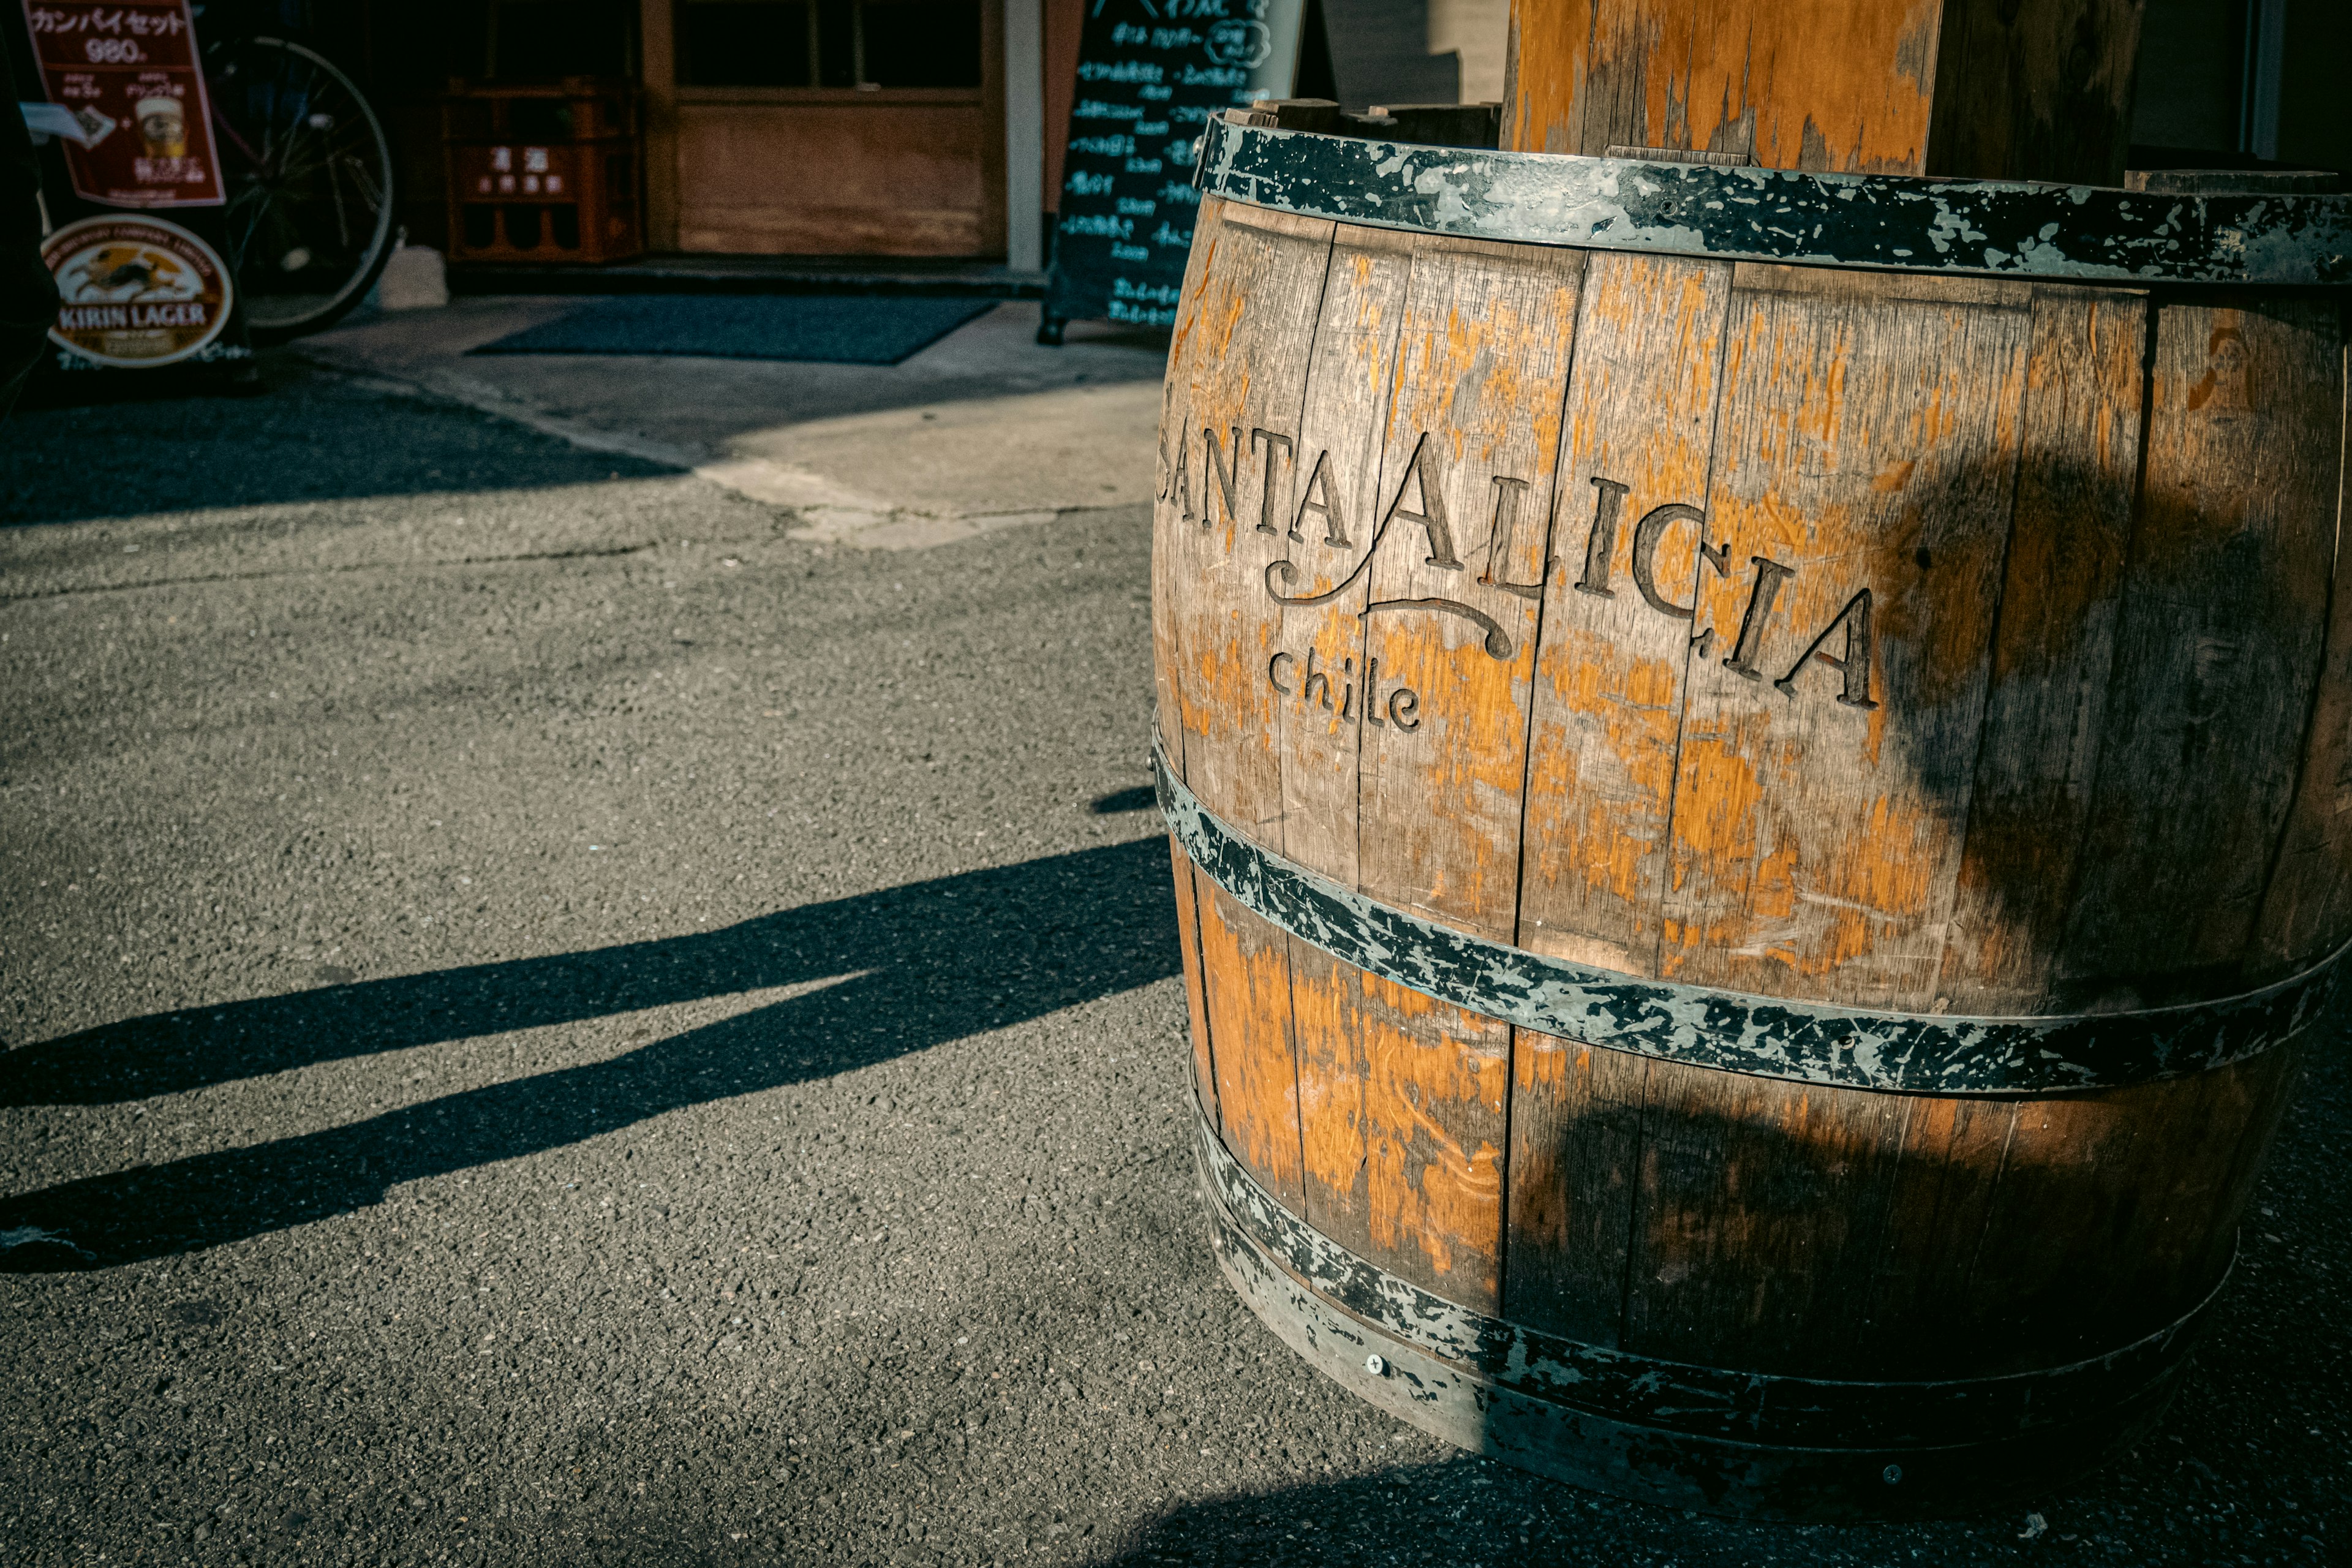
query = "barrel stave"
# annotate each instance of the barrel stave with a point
(2115, 1212)
(1326, 487)
(1190, 359)
(1638, 431)
(2308, 908)
(1402, 1102)
(2053, 653)
(2217, 648)
(1249, 328)
(1577, 1117)
(1237, 363)
(1321, 483)
(1196, 1011)
(1482, 362)
(1761, 1216)
(1253, 1050)
(1864, 472)
(1473, 433)
(1409, 1170)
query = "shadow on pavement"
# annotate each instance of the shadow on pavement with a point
(928, 962)
(310, 436)
(1460, 1512)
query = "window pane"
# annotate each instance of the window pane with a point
(542, 40)
(743, 43)
(836, 42)
(920, 43)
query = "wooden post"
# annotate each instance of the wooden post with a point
(659, 63)
(2024, 90)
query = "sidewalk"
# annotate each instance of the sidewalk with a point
(981, 431)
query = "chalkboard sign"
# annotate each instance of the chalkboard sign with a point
(1151, 72)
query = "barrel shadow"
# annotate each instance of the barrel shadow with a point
(928, 962)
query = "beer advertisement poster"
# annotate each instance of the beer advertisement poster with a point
(127, 70)
(136, 292)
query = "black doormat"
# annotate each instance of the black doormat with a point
(835, 329)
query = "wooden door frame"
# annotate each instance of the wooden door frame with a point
(658, 55)
(992, 197)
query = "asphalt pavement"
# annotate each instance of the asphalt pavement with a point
(557, 1014)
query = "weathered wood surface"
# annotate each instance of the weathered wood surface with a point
(1403, 1129)
(1196, 1008)
(1472, 438)
(2034, 90)
(2114, 1212)
(1987, 89)
(1460, 339)
(1473, 433)
(1333, 465)
(1737, 1171)
(2087, 739)
(1735, 1221)
(1331, 482)
(1242, 354)
(1188, 361)
(1791, 84)
(2053, 645)
(2217, 649)
(1575, 1169)
(1245, 998)
(1865, 465)
(1639, 436)
(2310, 896)
(1237, 364)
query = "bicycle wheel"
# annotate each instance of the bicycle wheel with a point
(310, 183)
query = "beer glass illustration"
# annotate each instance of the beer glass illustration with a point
(164, 127)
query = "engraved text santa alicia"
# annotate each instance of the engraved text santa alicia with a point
(1324, 540)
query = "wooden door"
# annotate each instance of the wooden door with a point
(826, 127)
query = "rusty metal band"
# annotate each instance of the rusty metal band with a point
(1679, 1397)
(2071, 234)
(1770, 1037)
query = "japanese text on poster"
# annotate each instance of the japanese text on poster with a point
(127, 70)
(1151, 72)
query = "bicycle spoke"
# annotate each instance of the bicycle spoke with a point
(342, 218)
(259, 209)
(321, 193)
(363, 178)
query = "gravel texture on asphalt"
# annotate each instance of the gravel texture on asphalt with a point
(549, 1022)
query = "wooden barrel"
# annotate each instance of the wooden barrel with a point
(1754, 834)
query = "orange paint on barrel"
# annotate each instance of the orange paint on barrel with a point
(1714, 813)
(1639, 722)
(1196, 1011)
(1246, 993)
(1330, 1082)
(1428, 1070)
(1542, 1061)
(1789, 84)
